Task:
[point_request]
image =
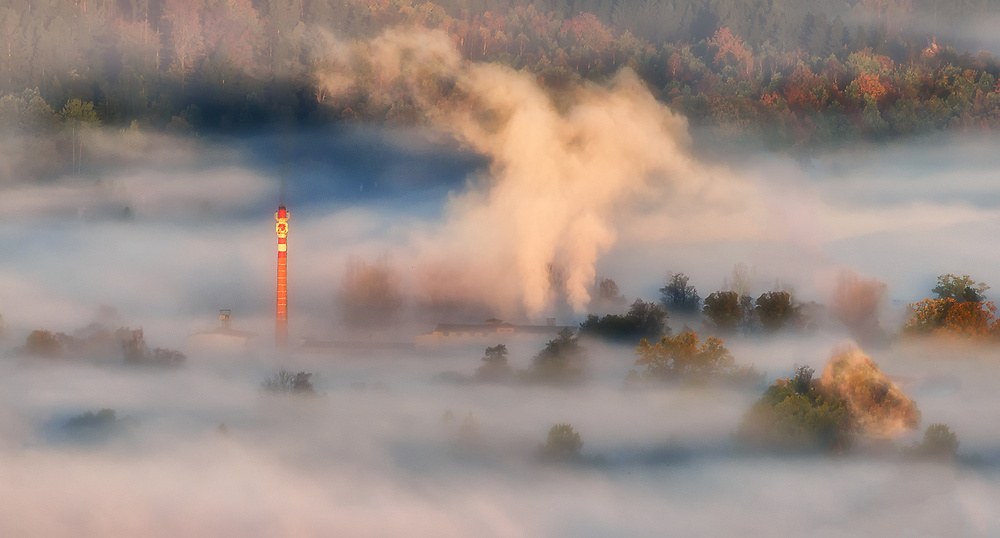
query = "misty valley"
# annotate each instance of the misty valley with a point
(499, 268)
(117, 419)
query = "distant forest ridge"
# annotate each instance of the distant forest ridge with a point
(795, 73)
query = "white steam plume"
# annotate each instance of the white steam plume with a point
(564, 169)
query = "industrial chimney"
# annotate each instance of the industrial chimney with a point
(281, 312)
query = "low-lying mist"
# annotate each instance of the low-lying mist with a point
(472, 217)
(384, 448)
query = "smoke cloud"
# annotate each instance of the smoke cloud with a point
(564, 169)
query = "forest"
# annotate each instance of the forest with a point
(792, 75)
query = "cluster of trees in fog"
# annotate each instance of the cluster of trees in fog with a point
(286, 382)
(801, 72)
(685, 358)
(959, 309)
(682, 358)
(853, 401)
(562, 361)
(724, 312)
(97, 427)
(97, 342)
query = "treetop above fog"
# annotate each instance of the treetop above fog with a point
(853, 398)
(961, 289)
(685, 358)
(960, 311)
(643, 320)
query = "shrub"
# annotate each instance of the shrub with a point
(286, 382)
(97, 427)
(101, 419)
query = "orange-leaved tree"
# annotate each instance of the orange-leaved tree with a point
(948, 317)
(960, 310)
(685, 357)
(730, 50)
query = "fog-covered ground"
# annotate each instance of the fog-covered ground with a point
(374, 452)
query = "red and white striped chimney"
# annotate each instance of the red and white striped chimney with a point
(281, 312)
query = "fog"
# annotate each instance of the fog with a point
(372, 455)
(167, 231)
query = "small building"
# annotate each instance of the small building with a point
(490, 331)
(224, 338)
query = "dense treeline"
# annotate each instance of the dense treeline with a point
(800, 73)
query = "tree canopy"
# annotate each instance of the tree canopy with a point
(563, 444)
(794, 414)
(685, 358)
(797, 75)
(962, 289)
(959, 311)
(679, 297)
(494, 367)
(643, 320)
(560, 362)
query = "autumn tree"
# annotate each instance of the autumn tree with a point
(685, 357)
(960, 310)
(805, 90)
(592, 39)
(730, 50)
(948, 317)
